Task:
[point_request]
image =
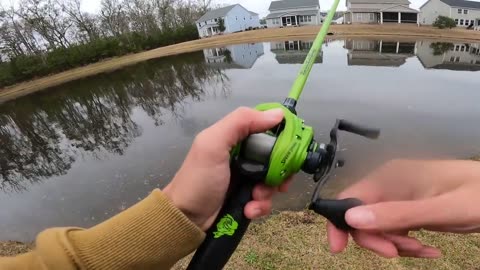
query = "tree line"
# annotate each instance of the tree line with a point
(41, 37)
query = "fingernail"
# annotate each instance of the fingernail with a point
(273, 114)
(361, 218)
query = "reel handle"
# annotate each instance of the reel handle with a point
(229, 228)
(334, 210)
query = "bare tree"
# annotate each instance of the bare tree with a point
(47, 19)
(114, 17)
(141, 14)
(85, 23)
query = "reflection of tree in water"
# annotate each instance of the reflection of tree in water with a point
(40, 135)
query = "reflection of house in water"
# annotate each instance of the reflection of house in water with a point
(378, 53)
(452, 56)
(293, 52)
(235, 56)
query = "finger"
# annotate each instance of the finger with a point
(258, 209)
(263, 192)
(391, 216)
(404, 243)
(286, 185)
(236, 126)
(425, 253)
(376, 243)
(337, 239)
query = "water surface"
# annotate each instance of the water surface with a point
(80, 153)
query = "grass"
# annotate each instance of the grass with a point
(297, 240)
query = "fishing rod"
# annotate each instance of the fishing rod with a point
(271, 158)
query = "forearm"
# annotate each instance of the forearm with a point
(152, 234)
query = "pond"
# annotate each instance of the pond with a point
(80, 153)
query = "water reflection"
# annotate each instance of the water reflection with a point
(42, 136)
(105, 142)
(236, 56)
(293, 51)
(451, 56)
(378, 52)
(432, 55)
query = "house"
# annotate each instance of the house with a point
(378, 52)
(241, 56)
(451, 56)
(380, 11)
(294, 13)
(236, 18)
(465, 13)
(293, 51)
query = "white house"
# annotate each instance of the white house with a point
(465, 13)
(293, 51)
(236, 18)
(293, 13)
(380, 11)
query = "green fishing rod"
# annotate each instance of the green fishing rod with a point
(271, 158)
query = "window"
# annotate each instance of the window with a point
(199, 24)
(359, 17)
(236, 18)
(452, 59)
(372, 17)
(461, 21)
(244, 19)
(216, 20)
(457, 59)
(467, 22)
(300, 19)
(465, 11)
(459, 11)
(456, 21)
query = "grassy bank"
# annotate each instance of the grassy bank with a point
(297, 240)
(388, 32)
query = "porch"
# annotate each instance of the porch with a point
(395, 14)
(209, 30)
(476, 26)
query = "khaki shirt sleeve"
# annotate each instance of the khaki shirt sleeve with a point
(152, 234)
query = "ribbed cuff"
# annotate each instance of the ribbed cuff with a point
(152, 234)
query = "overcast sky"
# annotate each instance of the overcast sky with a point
(259, 6)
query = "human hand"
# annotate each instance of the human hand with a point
(199, 187)
(403, 196)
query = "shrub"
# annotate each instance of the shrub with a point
(443, 22)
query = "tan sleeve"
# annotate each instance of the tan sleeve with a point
(152, 234)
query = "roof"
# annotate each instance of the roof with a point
(253, 13)
(462, 3)
(289, 4)
(293, 13)
(216, 13)
(457, 66)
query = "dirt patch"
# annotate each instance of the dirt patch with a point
(386, 31)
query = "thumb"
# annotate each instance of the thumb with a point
(401, 215)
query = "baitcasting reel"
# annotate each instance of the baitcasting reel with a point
(274, 156)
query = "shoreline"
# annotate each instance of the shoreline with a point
(386, 31)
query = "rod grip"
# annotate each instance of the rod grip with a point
(229, 228)
(334, 210)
